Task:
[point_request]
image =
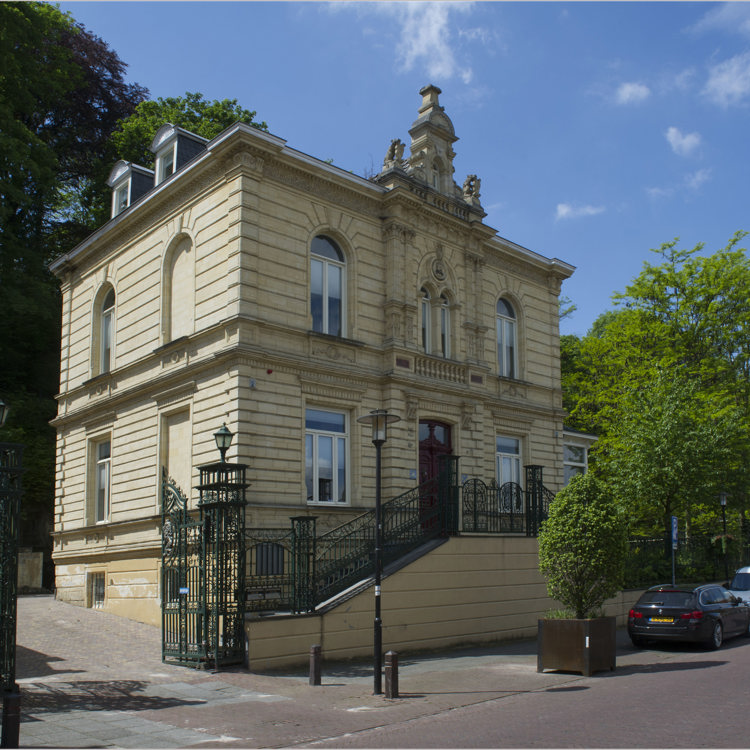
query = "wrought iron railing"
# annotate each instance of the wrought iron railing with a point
(296, 570)
(269, 580)
(503, 509)
(346, 554)
(493, 508)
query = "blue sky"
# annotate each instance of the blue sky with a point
(599, 130)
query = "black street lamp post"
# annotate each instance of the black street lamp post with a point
(379, 419)
(723, 501)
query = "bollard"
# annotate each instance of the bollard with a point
(11, 717)
(315, 665)
(391, 675)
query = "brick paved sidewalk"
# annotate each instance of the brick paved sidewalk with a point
(91, 679)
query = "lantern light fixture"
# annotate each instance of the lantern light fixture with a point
(223, 437)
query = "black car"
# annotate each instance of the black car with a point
(707, 614)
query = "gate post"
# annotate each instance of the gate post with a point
(222, 509)
(303, 563)
(448, 491)
(534, 499)
(11, 455)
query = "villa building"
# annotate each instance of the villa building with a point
(241, 282)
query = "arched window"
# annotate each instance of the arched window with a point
(179, 292)
(445, 327)
(426, 308)
(103, 334)
(327, 286)
(506, 339)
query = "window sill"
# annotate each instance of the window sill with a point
(337, 339)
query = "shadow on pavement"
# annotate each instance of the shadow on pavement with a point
(30, 663)
(94, 695)
(673, 666)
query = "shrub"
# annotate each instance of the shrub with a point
(582, 547)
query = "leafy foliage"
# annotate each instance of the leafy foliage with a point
(134, 136)
(664, 380)
(61, 92)
(582, 546)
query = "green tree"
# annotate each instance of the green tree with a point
(61, 92)
(672, 448)
(582, 546)
(133, 137)
(663, 379)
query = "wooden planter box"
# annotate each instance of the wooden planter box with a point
(584, 646)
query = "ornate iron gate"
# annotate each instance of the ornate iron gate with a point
(203, 570)
(183, 581)
(222, 506)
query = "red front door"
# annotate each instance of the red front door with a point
(434, 441)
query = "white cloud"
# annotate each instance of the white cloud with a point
(696, 179)
(425, 37)
(428, 34)
(632, 93)
(729, 81)
(566, 211)
(733, 17)
(657, 192)
(682, 143)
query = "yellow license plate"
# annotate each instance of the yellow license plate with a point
(661, 619)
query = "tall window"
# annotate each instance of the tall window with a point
(327, 286)
(426, 307)
(445, 327)
(506, 339)
(325, 456)
(106, 331)
(508, 460)
(102, 480)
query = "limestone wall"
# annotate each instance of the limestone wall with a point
(471, 590)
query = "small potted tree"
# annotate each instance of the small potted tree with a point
(581, 552)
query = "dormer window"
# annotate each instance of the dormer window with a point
(165, 161)
(174, 147)
(128, 182)
(121, 198)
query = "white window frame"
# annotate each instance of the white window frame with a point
(162, 159)
(339, 451)
(508, 458)
(107, 332)
(571, 467)
(101, 486)
(505, 327)
(426, 307)
(121, 197)
(445, 326)
(326, 264)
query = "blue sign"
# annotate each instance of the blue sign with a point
(184, 590)
(674, 532)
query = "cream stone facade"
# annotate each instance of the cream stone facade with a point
(257, 286)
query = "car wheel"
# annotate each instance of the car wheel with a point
(717, 636)
(639, 642)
